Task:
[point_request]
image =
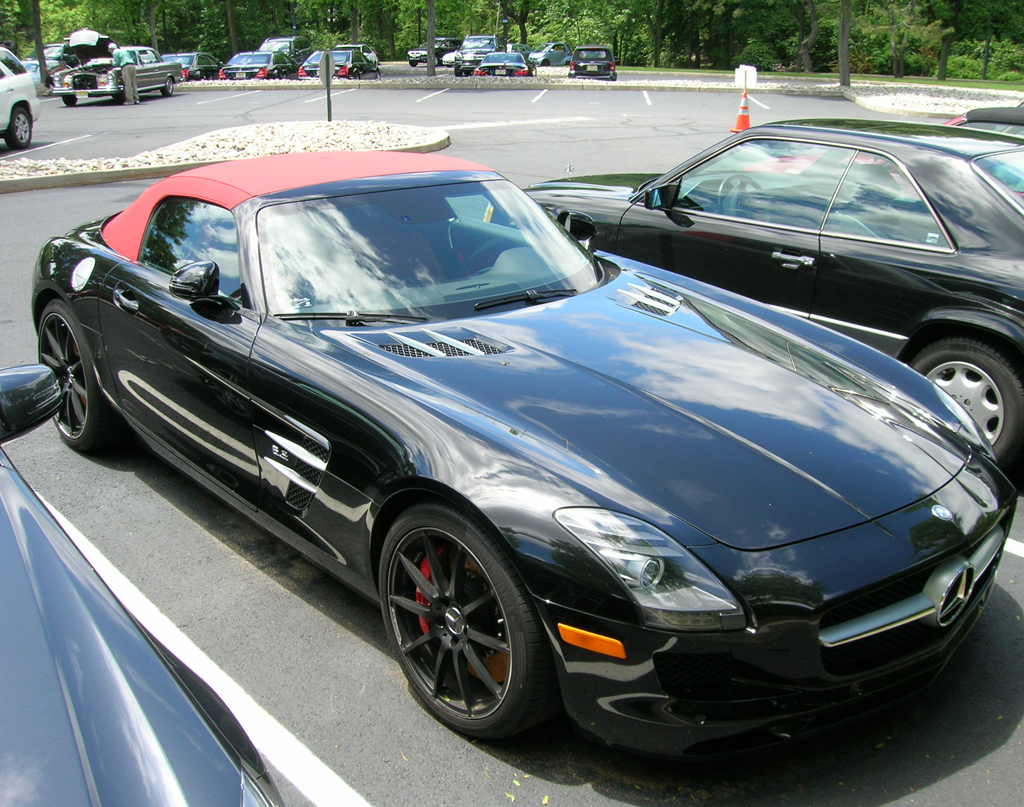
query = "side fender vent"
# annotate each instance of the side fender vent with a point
(432, 344)
(651, 300)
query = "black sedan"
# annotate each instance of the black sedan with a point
(195, 65)
(504, 64)
(698, 523)
(347, 64)
(258, 65)
(1005, 119)
(593, 61)
(906, 236)
(95, 710)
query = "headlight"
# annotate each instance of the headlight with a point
(971, 431)
(672, 587)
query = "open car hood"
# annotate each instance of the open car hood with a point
(89, 44)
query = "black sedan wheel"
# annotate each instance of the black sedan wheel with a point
(987, 382)
(463, 625)
(85, 420)
(19, 131)
(69, 100)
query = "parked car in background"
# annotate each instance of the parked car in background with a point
(504, 64)
(442, 45)
(97, 77)
(592, 61)
(258, 65)
(909, 237)
(570, 480)
(61, 52)
(554, 54)
(368, 53)
(297, 48)
(19, 106)
(347, 64)
(195, 65)
(53, 68)
(517, 47)
(1005, 119)
(472, 51)
(448, 60)
(96, 710)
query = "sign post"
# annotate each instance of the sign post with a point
(326, 74)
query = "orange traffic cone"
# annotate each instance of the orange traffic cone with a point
(743, 118)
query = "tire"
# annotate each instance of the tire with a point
(544, 62)
(412, 63)
(85, 421)
(473, 647)
(168, 89)
(69, 100)
(19, 130)
(988, 381)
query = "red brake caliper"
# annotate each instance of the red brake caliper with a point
(421, 598)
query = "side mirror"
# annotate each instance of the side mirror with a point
(28, 396)
(662, 197)
(196, 280)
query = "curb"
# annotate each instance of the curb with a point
(441, 141)
(879, 105)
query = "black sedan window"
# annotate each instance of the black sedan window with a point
(1007, 170)
(432, 252)
(186, 230)
(773, 181)
(878, 201)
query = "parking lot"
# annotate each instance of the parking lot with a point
(312, 655)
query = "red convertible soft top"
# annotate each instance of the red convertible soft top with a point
(228, 184)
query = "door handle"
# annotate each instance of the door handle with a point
(793, 261)
(125, 300)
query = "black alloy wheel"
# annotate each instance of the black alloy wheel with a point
(463, 625)
(85, 421)
(988, 382)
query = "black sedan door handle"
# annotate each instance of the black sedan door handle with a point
(125, 300)
(793, 261)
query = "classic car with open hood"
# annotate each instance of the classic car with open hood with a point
(97, 76)
(698, 524)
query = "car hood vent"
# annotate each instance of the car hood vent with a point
(659, 302)
(426, 344)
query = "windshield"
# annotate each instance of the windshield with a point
(274, 44)
(1007, 171)
(249, 59)
(477, 42)
(432, 252)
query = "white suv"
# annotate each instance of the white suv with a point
(19, 106)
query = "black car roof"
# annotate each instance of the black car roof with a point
(997, 114)
(900, 136)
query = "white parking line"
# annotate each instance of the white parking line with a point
(497, 123)
(40, 148)
(647, 98)
(1015, 547)
(333, 95)
(425, 97)
(302, 767)
(228, 98)
(536, 98)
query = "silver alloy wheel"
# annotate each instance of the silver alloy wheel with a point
(19, 135)
(976, 391)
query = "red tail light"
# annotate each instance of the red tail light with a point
(523, 72)
(221, 76)
(572, 66)
(184, 74)
(611, 66)
(303, 73)
(342, 71)
(479, 72)
(261, 73)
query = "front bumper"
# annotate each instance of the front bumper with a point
(104, 92)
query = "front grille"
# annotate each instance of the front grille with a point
(874, 651)
(84, 82)
(875, 600)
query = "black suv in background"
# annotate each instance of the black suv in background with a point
(472, 52)
(296, 47)
(592, 61)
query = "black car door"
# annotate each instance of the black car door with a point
(180, 365)
(886, 257)
(747, 219)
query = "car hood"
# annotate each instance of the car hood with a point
(605, 186)
(90, 45)
(745, 431)
(91, 715)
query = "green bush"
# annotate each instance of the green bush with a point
(760, 55)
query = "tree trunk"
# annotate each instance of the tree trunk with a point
(944, 50)
(431, 36)
(151, 21)
(655, 27)
(37, 37)
(354, 24)
(812, 36)
(845, 23)
(232, 35)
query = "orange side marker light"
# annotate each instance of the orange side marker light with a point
(595, 642)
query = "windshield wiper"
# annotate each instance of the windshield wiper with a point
(355, 317)
(530, 296)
